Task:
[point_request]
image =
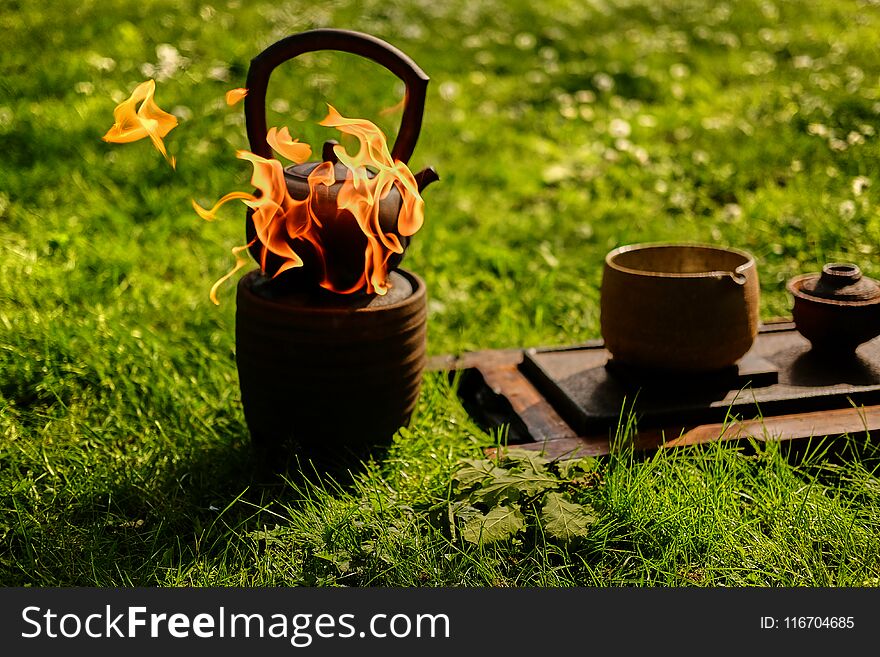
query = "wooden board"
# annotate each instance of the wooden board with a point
(591, 397)
(805, 397)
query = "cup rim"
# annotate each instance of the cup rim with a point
(645, 246)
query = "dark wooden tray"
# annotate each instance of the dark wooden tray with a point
(569, 401)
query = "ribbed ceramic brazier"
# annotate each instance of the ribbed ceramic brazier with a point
(330, 374)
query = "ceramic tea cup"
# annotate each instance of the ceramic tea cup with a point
(679, 307)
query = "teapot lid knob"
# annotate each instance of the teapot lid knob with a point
(327, 152)
(842, 282)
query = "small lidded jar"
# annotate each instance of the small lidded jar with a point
(837, 309)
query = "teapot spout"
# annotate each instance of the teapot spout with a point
(425, 177)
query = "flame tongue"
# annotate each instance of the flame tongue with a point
(235, 95)
(148, 121)
(319, 231)
(281, 142)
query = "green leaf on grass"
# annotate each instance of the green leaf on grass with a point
(573, 468)
(527, 460)
(475, 471)
(499, 524)
(277, 534)
(512, 487)
(565, 520)
(460, 511)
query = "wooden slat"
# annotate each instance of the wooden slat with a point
(793, 427)
(500, 370)
(541, 420)
(482, 359)
(834, 422)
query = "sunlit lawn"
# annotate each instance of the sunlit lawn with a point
(560, 130)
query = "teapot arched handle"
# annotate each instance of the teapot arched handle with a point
(356, 43)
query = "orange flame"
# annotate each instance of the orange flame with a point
(284, 224)
(234, 96)
(148, 121)
(281, 142)
(396, 107)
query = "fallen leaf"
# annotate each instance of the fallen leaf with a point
(500, 523)
(565, 520)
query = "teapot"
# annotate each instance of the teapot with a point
(345, 240)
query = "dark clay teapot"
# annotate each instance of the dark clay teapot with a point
(343, 239)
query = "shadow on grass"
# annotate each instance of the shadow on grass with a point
(154, 522)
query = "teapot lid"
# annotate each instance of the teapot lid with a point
(327, 155)
(842, 281)
(302, 171)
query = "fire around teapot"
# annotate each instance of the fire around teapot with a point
(344, 235)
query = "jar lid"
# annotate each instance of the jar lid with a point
(842, 281)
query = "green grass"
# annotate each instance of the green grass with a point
(560, 130)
